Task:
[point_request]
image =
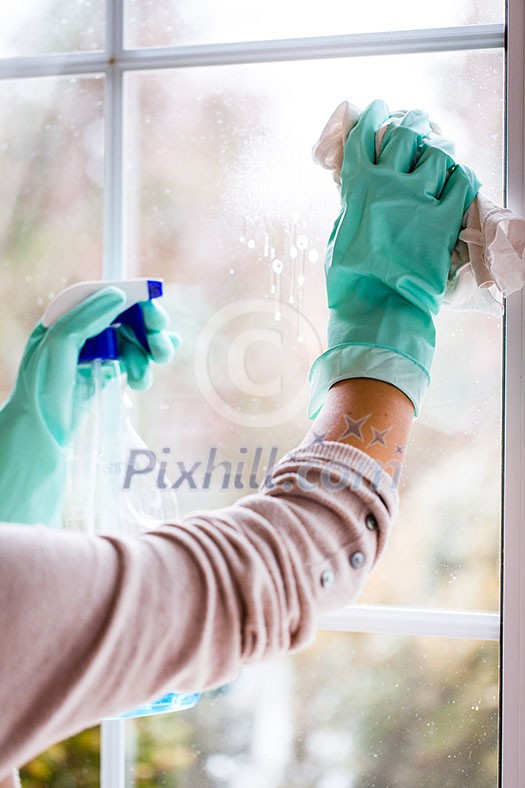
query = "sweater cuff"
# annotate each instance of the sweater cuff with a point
(361, 468)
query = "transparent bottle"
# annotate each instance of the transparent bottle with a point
(97, 502)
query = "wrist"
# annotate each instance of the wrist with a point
(369, 415)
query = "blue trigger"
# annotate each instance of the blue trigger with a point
(134, 318)
(105, 344)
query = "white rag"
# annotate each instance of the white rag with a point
(488, 260)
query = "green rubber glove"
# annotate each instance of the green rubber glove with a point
(135, 361)
(38, 421)
(388, 255)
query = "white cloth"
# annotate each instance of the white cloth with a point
(488, 261)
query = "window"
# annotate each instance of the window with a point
(184, 133)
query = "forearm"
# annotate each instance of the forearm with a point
(183, 607)
(369, 414)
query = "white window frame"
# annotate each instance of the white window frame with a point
(115, 61)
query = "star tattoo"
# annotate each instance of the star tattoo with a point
(379, 437)
(353, 427)
(399, 449)
(318, 437)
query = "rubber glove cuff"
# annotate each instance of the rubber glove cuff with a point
(366, 361)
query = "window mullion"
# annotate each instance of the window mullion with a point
(401, 42)
(114, 28)
(113, 754)
(113, 732)
(512, 761)
(114, 191)
(376, 619)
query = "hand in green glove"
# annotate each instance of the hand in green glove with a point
(388, 255)
(38, 421)
(136, 362)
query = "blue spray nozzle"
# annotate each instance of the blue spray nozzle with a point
(105, 345)
(155, 288)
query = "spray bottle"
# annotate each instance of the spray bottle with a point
(96, 502)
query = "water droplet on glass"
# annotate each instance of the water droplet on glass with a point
(277, 316)
(232, 271)
(242, 239)
(313, 255)
(291, 300)
(277, 266)
(293, 252)
(302, 242)
(300, 281)
(273, 289)
(251, 244)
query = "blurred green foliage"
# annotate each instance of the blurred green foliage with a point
(74, 763)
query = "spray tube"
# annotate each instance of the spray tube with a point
(97, 502)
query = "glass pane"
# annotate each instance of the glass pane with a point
(33, 27)
(355, 711)
(51, 160)
(221, 188)
(167, 22)
(75, 763)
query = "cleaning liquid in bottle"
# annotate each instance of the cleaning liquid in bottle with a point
(97, 502)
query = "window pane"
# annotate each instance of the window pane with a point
(221, 187)
(75, 762)
(51, 160)
(32, 27)
(167, 22)
(355, 711)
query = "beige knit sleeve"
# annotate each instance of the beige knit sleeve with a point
(92, 627)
